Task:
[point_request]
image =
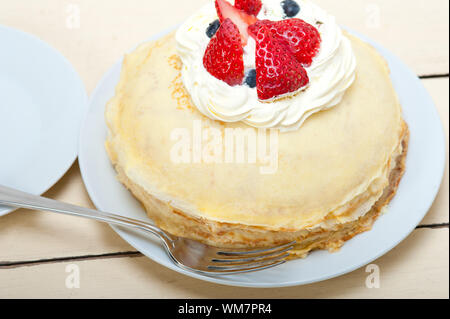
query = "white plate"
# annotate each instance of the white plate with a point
(42, 105)
(418, 188)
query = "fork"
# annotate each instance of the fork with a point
(185, 253)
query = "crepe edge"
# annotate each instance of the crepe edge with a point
(235, 235)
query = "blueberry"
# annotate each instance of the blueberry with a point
(212, 28)
(250, 79)
(290, 7)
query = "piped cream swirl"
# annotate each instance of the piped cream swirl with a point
(331, 73)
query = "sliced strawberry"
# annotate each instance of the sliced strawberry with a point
(302, 38)
(277, 70)
(254, 28)
(249, 6)
(241, 19)
(224, 56)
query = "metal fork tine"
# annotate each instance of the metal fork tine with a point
(248, 266)
(251, 259)
(254, 252)
(232, 271)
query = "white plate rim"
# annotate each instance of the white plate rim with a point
(439, 169)
(67, 163)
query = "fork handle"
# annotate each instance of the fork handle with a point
(19, 199)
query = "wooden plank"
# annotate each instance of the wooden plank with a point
(438, 88)
(417, 268)
(416, 31)
(94, 35)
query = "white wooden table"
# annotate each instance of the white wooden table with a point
(37, 247)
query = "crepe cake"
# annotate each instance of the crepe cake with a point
(334, 147)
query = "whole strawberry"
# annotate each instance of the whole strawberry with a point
(302, 38)
(278, 72)
(249, 6)
(223, 57)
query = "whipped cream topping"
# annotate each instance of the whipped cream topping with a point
(330, 74)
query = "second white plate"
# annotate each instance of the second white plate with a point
(418, 188)
(42, 105)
